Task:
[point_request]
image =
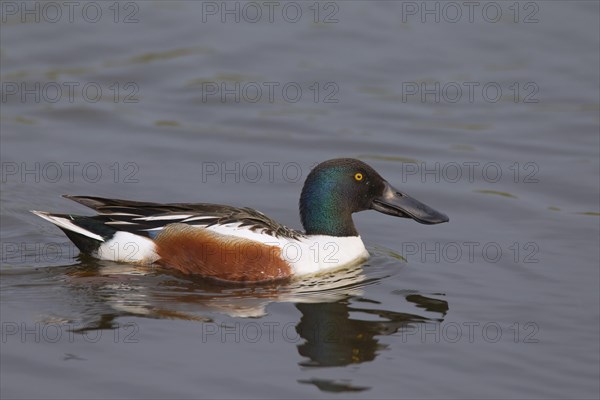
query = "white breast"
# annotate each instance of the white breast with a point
(307, 255)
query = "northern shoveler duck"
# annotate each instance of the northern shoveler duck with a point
(241, 244)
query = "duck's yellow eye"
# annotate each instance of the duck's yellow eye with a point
(358, 176)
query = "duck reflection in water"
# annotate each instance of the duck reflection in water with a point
(338, 326)
(333, 338)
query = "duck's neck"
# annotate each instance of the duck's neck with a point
(323, 214)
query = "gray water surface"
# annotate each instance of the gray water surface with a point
(493, 121)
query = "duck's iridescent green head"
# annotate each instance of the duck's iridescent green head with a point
(337, 188)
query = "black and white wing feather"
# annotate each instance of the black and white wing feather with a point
(145, 218)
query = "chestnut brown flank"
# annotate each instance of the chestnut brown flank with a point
(193, 250)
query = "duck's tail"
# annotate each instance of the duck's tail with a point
(93, 236)
(86, 232)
